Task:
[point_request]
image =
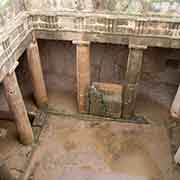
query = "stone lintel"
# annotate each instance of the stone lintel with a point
(137, 46)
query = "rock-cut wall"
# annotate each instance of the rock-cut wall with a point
(9, 9)
(165, 7)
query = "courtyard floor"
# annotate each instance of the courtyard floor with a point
(72, 146)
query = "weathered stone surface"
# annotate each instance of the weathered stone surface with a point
(177, 156)
(130, 95)
(134, 69)
(35, 68)
(106, 99)
(83, 74)
(81, 174)
(9, 9)
(13, 42)
(149, 31)
(159, 80)
(175, 108)
(17, 106)
(66, 20)
(130, 7)
(4, 173)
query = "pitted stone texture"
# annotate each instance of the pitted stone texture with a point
(159, 81)
(127, 6)
(83, 75)
(177, 156)
(53, 24)
(102, 148)
(9, 9)
(106, 99)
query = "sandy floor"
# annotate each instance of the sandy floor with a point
(96, 149)
(70, 147)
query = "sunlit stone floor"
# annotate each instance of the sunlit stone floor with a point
(74, 147)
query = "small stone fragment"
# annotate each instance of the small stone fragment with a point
(3, 132)
(177, 156)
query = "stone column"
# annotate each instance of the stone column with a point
(36, 72)
(134, 67)
(83, 69)
(17, 106)
(175, 108)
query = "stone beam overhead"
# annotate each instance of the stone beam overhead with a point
(109, 24)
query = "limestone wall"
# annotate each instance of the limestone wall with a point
(165, 7)
(160, 73)
(8, 10)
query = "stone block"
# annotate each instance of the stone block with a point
(177, 156)
(175, 108)
(106, 99)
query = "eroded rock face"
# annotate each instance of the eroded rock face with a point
(177, 156)
(9, 9)
(106, 99)
(127, 6)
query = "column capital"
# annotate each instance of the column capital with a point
(80, 42)
(34, 40)
(13, 67)
(137, 46)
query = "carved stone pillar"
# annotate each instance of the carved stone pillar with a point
(134, 67)
(16, 105)
(83, 73)
(34, 63)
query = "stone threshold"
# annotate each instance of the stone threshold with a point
(89, 117)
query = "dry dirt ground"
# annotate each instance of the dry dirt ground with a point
(77, 148)
(72, 148)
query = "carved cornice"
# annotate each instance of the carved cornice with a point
(109, 24)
